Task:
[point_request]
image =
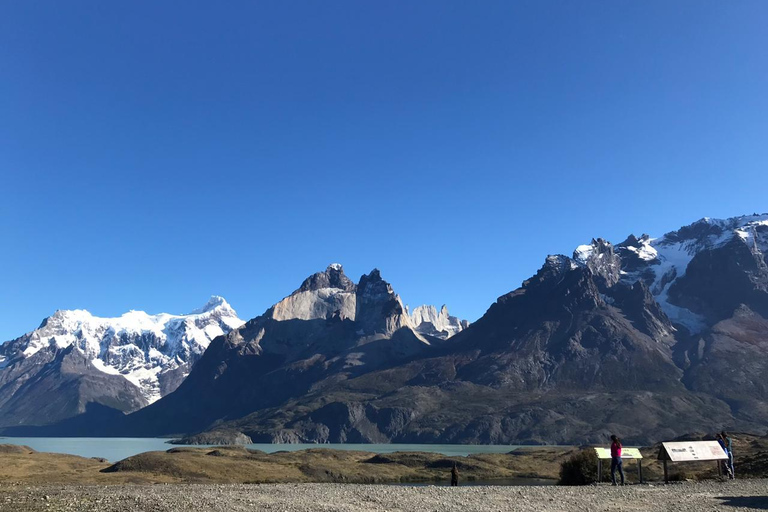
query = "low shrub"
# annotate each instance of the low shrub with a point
(579, 469)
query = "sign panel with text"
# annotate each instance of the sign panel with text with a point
(688, 451)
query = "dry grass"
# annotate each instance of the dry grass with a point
(238, 465)
(22, 464)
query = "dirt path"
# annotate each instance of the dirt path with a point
(739, 496)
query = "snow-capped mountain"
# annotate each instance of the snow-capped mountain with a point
(152, 352)
(663, 263)
(427, 320)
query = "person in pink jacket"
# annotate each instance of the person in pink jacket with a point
(616, 460)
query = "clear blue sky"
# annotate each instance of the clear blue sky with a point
(153, 153)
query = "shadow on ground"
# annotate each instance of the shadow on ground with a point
(756, 502)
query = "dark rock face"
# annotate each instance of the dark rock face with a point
(378, 309)
(717, 281)
(639, 307)
(553, 334)
(730, 363)
(26, 389)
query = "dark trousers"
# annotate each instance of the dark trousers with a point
(616, 464)
(730, 463)
(454, 483)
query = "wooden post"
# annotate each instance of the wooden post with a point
(640, 469)
(666, 473)
(599, 471)
(719, 468)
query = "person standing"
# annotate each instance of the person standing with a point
(729, 450)
(724, 441)
(616, 460)
(454, 476)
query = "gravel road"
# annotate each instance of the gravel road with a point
(738, 496)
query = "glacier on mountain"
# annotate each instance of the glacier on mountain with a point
(665, 260)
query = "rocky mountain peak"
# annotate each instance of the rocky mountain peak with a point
(426, 320)
(215, 302)
(600, 259)
(372, 285)
(378, 310)
(322, 295)
(62, 317)
(332, 277)
(555, 266)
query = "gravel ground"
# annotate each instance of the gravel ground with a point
(735, 496)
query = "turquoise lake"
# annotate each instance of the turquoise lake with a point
(118, 448)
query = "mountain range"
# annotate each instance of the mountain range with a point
(649, 338)
(74, 359)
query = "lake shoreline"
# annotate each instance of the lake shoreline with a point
(117, 448)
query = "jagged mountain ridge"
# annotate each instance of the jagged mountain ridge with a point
(127, 362)
(650, 339)
(328, 330)
(644, 338)
(332, 292)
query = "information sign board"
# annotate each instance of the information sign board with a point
(626, 453)
(688, 451)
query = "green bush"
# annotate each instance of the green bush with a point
(579, 469)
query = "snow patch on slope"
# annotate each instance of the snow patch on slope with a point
(583, 253)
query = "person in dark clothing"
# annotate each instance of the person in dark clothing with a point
(454, 476)
(729, 450)
(726, 464)
(616, 460)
